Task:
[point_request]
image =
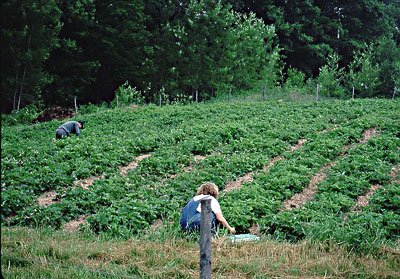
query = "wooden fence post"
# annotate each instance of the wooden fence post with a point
(76, 107)
(263, 91)
(352, 95)
(316, 99)
(205, 240)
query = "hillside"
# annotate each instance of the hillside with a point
(322, 172)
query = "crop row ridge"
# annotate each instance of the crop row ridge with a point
(299, 199)
(50, 197)
(363, 200)
(132, 165)
(248, 177)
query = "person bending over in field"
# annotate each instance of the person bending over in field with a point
(191, 213)
(68, 128)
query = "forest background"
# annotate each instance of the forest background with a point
(176, 51)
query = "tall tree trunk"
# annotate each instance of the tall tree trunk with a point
(16, 89)
(21, 89)
(24, 74)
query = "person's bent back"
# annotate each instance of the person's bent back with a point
(69, 128)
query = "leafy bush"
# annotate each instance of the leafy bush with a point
(127, 95)
(387, 55)
(364, 73)
(330, 78)
(295, 80)
(25, 115)
(92, 108)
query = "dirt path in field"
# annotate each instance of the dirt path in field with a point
(133, 165)
(197, 158)
(86, 183)
(73, 226)
(301, 198)
(50, 197)
(248, 177)
(395, 174)
(236, 184)
(307, 194)
(363, 200)
(47, 198)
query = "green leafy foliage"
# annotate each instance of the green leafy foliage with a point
(127, 95)
(363, 73)
(190, 145)
(330, 77)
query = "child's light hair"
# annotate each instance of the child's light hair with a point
(208, 188)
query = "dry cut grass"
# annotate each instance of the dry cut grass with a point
(29, 253)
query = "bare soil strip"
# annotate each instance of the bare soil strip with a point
(307, 194)
(133, 165)
(156, 226)
(86, 183)
(248, 177)
(47, 198)
(73, 226)
(366, 136)
(301, 198)
(254, 229)
(50, 197)
(363, 200)
(197, 158)
(236, 184)
(271, 163)
(299, 144)
(395, 174)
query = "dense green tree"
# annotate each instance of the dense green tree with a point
(360, 22)
(210, 48)
(53, 51)
(331, 77)
(363, 73)
(255, 56)
(310, 30)
(71, 64)
(29, 32)
(118, 42)
(208, 26)
(387, 55)
(162, 48)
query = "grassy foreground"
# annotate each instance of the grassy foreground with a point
(40, 253)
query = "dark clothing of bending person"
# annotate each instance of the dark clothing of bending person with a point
(68, 128)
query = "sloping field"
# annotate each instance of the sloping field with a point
(321, 171)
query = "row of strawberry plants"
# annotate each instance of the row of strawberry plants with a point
(171, 197)
(267, 192)
(329, 217)
(146, 184)
(162, 162)
(48, 165)
(53, 165)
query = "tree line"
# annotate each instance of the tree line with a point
(56, 50)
